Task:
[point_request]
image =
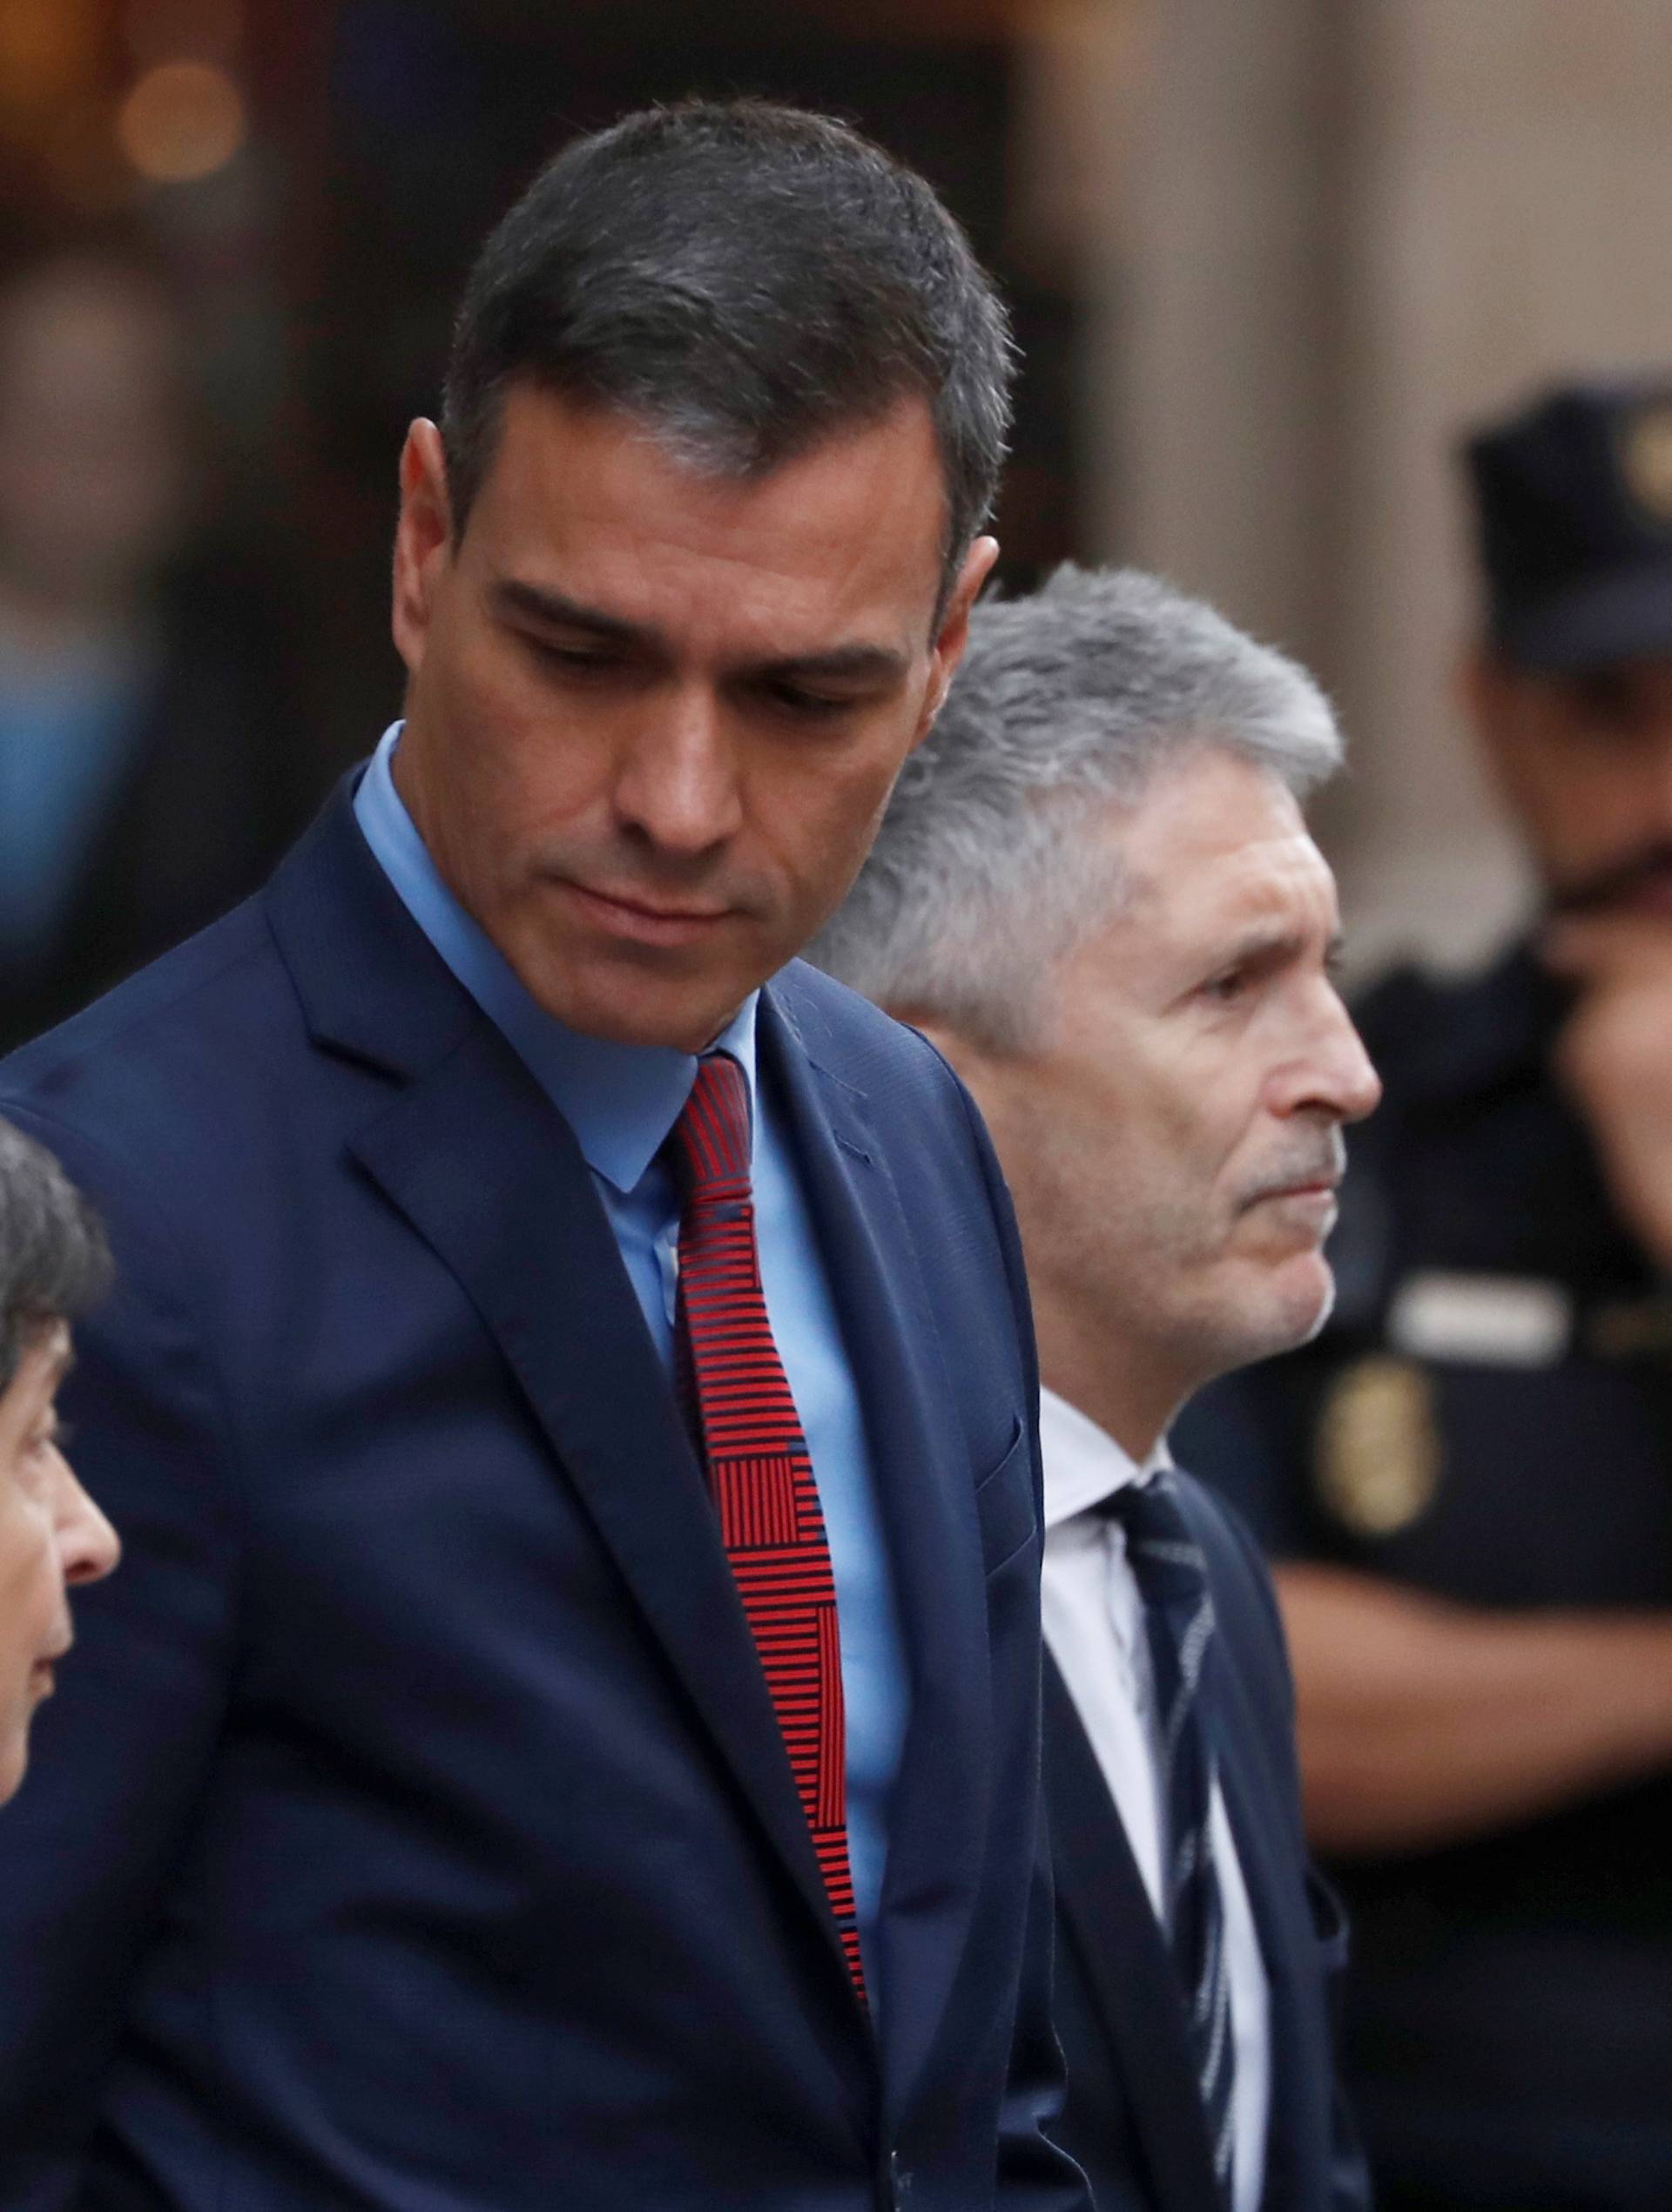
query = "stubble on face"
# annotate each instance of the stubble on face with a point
(1196, 1277)
(1174, 1143)
(654, 716)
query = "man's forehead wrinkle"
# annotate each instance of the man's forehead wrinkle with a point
(1288, 900)
(710, 553)
(1206, 888)
(658, 628)
(634, 508)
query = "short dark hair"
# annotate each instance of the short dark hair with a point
(746, 279)
(54, 1261)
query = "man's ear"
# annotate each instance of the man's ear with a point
(953, 635)
(423, 539)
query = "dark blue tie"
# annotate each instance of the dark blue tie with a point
(1172, 1578)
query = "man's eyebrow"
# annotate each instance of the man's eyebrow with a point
(859, 662)
(1278, 940)
(876, 664)
(1261, 940)
(559, 611)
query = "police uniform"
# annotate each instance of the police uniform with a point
(1488, 1417)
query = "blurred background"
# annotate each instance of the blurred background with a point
(1263, 260)
(1266, 258)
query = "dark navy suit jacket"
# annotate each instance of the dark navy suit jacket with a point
(413, 1832)
(1134, 2118)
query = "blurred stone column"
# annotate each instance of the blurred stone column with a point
(1215, 296)
(1334, 235)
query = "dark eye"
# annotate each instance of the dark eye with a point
(1224, 990)
(574, 660)
(809, 706)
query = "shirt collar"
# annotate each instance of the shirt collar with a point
(621, 1100)
(1083, 1464)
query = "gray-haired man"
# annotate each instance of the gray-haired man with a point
(1095, 891)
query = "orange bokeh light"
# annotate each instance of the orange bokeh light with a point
(183, 120)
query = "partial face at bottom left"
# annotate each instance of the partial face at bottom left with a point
(51, 1536)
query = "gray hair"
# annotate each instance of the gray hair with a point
(54, 1261)
(982, 876)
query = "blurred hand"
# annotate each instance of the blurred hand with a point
(1615, 1058)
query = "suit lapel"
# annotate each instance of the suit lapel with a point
(1102, 1896)
(472, 1153)
(940, 1808)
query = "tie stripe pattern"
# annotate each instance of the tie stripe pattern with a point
(759, 1470)
(1172, 1579)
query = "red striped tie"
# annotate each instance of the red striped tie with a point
(759, 1465)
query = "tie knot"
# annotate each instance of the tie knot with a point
(710, 1138)
(1166, 1558)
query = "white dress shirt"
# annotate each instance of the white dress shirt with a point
(1095, 1626)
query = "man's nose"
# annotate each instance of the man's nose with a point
(1335, 1076)
(677, 779)
(88, 1547)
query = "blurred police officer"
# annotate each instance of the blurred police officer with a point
(1469, 1475)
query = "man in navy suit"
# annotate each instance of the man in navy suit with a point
(1094, 889)
(493, 1784)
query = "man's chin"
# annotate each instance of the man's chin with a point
(1280, 1313)
(628, 1004)
(1324, 1306)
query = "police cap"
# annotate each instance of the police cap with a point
(1574, 501)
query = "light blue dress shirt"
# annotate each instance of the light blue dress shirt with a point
(621, 1101)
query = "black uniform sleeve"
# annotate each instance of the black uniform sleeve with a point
(1246, 1438)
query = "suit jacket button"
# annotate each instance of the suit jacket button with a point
(900, 2183)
